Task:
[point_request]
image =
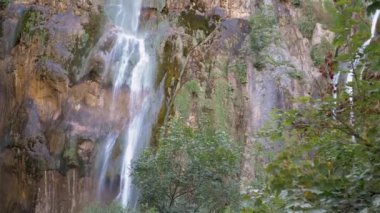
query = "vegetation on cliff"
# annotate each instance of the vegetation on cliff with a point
(329, 163)
(190, 170)
(327, 157)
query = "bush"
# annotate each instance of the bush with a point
(328, 163)
(191, 170)
(262, 29)
(306, 23)
(263, 25)
(306, 26)
(320, 51)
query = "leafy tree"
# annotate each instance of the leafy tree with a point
(190, 170)
(328, 163)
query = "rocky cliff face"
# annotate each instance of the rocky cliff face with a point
(53, 112)
(54, 100)
(216, 73)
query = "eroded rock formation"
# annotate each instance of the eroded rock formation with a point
(55, 96)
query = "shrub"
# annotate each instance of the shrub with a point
(306, 26)
(319, 51)
(191, 170)
(33, 28)
(263, 25)
(262, 28)
(307, 22)
(295, 74)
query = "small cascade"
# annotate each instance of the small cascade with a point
(131, 66)
(107, 149)
(351, 73)
(365, 45)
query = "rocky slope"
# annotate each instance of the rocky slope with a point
(54, 99)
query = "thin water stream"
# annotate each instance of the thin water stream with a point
(351, 74)
(132, 66)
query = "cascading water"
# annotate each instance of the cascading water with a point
(131, 65)
(365, 45)
(356, 63)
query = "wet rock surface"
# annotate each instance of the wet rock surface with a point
(55, 88)
(45, 105)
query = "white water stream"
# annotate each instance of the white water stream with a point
(132, 66)
(351, 74)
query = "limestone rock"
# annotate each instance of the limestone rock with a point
(321, 33)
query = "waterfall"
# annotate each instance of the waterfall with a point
(355, 64)
(132, 66)
(373, 34)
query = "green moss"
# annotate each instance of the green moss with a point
(220, 97)
(4, 4)
(170, 65)
(193, 22)
(182, 102)
(70, 157)
(295, 74)
(216, 108)
(83, 43)
(157, 126)
(240, 70)
(32, 28)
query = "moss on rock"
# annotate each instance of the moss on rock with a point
(193, 22)
(32, 27)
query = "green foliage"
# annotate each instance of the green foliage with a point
(319, 52)
(312, 12)
(4, 3)
(191, 170)
(306, 25)
(320, 167)
(193, 22)
(114, 207)
(83, 43)
(296, 3)
(193, 87)
(240, 69)
(262, 29)
(219, 104)
(373, 6)
(295, 74)
(33, 27)
(71, 157)
(184, 96)
(327, 163)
